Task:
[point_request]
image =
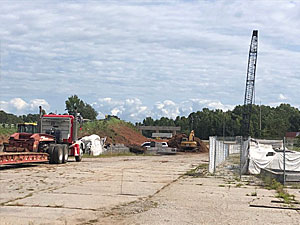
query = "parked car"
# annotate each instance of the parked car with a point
(148, 144)
(164, 144)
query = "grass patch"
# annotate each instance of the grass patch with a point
(198, 171)
(239, 185)
(7, 131)
(221, 185)
(108, 155)
(295, 186)
(235, 159)
(281, 193)
(252, 194)
(296, 149)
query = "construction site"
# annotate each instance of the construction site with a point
(210, 167)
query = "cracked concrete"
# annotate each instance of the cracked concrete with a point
(154, 191)
(81, 193)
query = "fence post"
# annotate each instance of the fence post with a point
(284, 161)
(215, 153)
(241, 154)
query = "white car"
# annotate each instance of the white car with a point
(147, 144)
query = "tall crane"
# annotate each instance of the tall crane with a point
(250, 81)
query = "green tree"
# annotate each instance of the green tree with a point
(86, 110)
(297, 141)
(9, 118)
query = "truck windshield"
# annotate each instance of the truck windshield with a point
(26, 128)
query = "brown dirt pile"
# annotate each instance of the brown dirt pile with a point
(118, 133)
(176, 140)
(127, 135)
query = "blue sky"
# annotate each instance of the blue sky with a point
(146, 58)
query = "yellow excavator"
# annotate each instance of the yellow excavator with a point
(189, 143)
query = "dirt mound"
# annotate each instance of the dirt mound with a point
(116, 131)
(127, 135)
(201, 146)
(176, 140)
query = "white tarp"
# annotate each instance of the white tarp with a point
(263, 156)
(93, 144)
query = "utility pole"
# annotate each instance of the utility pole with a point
(260, 119)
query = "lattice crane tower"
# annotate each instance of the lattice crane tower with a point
(250, 81)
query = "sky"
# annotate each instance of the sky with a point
(136, 59)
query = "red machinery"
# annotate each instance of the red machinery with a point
(55, 142)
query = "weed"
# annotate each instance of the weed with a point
(237, 179)
(281, 193)
(295, 186)
(198, 171)
(221, 185)
(254, 193)
(239, 185)
(287, 198)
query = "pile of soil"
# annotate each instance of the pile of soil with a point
(127, 135)
(117, 133)
(176, 140)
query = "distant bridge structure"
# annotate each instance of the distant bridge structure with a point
(159, 128)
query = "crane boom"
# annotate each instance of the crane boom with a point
(250, 81)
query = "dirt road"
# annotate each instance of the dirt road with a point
(134, 190)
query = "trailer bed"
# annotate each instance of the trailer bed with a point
(8, 158)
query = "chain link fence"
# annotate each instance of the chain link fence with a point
(220, 148)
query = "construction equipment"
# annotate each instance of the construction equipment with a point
(30, 128)
(189, 143)
(55, 142)
(250, 81)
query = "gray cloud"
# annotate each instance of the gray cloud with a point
(148, 52)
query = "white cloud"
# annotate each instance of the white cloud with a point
(282, 97)
(19, 106)
(18, 103)
(134, 110)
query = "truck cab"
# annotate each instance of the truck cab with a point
(29, 128)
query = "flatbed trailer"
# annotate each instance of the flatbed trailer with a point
(10, 158)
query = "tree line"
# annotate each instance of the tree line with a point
(266, 122)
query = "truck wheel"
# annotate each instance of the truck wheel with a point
(50, 152)
(65, 153)
(78, 158)
(58, 154)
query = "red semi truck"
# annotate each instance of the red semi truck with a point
(55, 141)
